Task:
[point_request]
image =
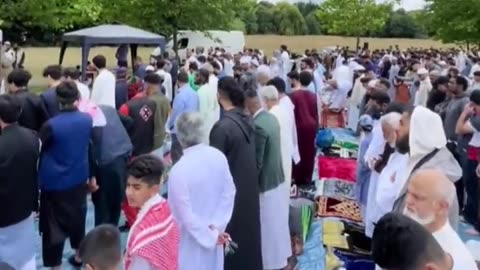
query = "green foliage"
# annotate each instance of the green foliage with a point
(402, 24)
(353, 17)
(288, 19)
(313, 24)
(265, 18)
(454, 21)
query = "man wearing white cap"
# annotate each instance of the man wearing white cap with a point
(421, 95)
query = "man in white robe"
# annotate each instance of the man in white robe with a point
(201, 194)
(207, 97)
(424, 89)
(167, 79)
(355, 100)
(429, 199)
(103, 90)
(285, 103)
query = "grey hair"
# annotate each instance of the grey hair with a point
(190, 129)
(391, 120)
(446, 190)
(268, 93)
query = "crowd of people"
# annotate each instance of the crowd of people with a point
(242, 129)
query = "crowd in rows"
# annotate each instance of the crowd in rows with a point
(242, 130)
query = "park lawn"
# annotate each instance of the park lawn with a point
(37, 58)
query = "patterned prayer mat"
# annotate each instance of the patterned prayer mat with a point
(337, 188)
(331, 167)
(337, 207)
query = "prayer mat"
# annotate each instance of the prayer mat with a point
(339, 208)
(335, 240)
(331, 226)
(338, 189)
(330, 167)
(332, 119)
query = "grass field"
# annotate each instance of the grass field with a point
(38, 58)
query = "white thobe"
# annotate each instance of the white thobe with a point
(201, 193)
(354, 102)
(287, 105)
(103, 90)
(213, 82)
(84, 91)
(208, 106)
(421, 96)
(167, 83)
(285, 140)
(375, 149)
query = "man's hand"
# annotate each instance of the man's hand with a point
(92, 185)
(223, 238)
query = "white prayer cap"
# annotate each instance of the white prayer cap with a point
(422, 71)
(372, 83)
(268, 93)
(264, 69)
(244, 60)
(149, 68)
(442, 63)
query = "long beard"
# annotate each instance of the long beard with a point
(423, 221)
(402, 144)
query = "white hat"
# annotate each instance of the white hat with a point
(149, 68)
(442, 63)
(422, 71)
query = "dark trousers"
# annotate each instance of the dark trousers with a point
(459, 185)
(470, 178)
(62, 216)
(176, 152)
(111, 179)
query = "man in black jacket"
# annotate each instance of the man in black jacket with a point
(33, 113)
(19, 152)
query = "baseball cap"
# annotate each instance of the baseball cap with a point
(366, 122)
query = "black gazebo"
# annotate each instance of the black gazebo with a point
(109, 35)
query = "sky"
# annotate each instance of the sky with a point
(405, 4)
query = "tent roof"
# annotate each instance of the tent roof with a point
(113, 34)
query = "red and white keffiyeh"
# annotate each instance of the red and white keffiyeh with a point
(154, 236)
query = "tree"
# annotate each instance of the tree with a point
(400, 24)
(313, 24)
(455, 21)
(306, 8)
(353, 17)
(265, 18)
(288, 20)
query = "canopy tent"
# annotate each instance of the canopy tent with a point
(109, 34)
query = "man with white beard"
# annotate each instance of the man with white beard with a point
(429, 197)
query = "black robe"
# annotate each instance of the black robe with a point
(234, 136)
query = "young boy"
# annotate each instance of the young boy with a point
(101, 248)
(154, 237)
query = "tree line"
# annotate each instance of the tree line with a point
(43, 22)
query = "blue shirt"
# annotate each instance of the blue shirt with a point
(186, 100)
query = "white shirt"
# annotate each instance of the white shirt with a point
(201, 193)
(287, 106)
(103, 90)
(83, 89)
(167, 83)
(451, 243)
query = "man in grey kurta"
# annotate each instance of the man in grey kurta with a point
(274, 190)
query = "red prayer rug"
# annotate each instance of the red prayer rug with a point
(332, 167)
(338, 208)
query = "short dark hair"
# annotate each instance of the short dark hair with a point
(279, 83)
(10, 108)
(67, 92)
(476, 73)
(475, 96)
(385, 82)
(161, 63)
(395, 107)
(460, 80)
(53, 71)
(101, 247)
(309, 62)
(147, 168)
(153, 78)
(19, 77)
(71, 73)
(193, 66)
(182, 77)
(293, 75)
(99, 61)
(305, 78)
(202, 59)
(204, 73)
(399, 242)
(380, 97)
(215, 65)
(251, 93)
(229, 88)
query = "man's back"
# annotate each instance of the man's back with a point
(18, 173)
(33, 113)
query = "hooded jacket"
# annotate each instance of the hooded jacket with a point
(426, 135)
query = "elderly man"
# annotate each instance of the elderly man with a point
(383, 190)
(421, 135)
(274, 190)
(201, 228)
(429, 197)
(421, 94)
